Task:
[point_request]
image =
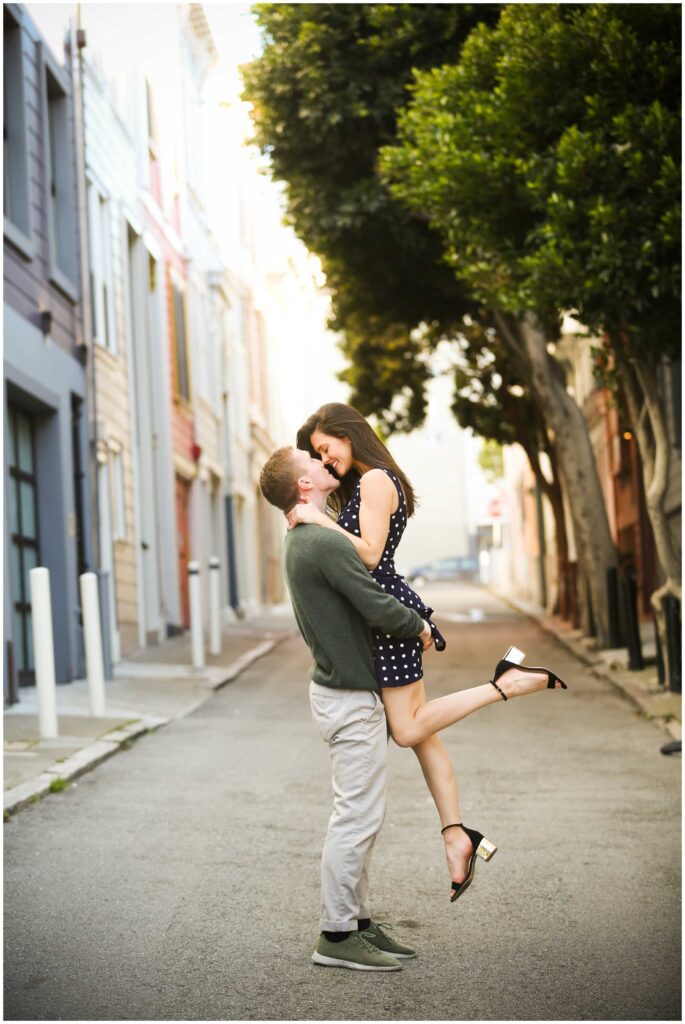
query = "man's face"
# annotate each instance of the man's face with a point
(313, 477)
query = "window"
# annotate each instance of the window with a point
(25, 550)
(155, 177)
(59, 171)
(182, 374)
(15, 168)
(101, 276)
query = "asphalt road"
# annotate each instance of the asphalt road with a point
(179, 880)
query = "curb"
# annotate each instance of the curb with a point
(674, 729)
(84, 760)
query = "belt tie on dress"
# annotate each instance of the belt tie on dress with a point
(438, 639)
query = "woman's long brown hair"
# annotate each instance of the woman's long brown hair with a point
(341, 420)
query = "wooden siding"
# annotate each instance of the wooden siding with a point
(111, 165)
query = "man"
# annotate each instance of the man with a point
(336, 603)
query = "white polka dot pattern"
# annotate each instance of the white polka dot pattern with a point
(400, 674)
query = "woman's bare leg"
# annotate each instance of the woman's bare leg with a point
(442, 782)
(413, 719)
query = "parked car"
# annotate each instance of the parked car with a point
(458, 568)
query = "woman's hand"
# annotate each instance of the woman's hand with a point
(426, 636)
(306, 513)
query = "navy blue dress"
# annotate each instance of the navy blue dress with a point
(397, 662)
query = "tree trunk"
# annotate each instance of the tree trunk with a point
(552, 491)
(577, 467)
(647, 419)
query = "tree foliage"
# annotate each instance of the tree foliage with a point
(325, 93)
(548, 158)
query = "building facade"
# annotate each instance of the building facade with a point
(47, 508)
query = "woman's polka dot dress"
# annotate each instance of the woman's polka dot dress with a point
(397, 662)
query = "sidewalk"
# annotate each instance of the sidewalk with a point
(149, 689)
(641, 688)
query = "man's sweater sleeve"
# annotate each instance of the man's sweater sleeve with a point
(347, 574)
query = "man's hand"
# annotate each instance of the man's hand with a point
(426, 637)
(305, 513)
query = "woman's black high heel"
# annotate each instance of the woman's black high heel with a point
(482, 847)
(505, 664)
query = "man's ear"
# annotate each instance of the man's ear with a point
(304, 485)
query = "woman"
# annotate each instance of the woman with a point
(373, 504)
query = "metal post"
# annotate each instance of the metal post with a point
(92, 638)
(214, 606)
(197, 639)
(660, 666)
(233, 597)
(612, 607)
(43, 652)
(629, 591)
(673, 643)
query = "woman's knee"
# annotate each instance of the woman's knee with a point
(404, 734)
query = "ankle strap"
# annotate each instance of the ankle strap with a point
(504, 696)
(457, 824)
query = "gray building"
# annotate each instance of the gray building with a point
(47, 506)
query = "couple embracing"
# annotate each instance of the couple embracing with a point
(347, 504)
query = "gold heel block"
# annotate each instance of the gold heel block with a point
(486, 849)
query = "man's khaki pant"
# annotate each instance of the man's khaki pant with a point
(352, 723)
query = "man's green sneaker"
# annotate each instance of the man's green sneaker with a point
(377, 937)
(355, 952)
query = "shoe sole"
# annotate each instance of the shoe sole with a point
(329, 961)
(399, 956)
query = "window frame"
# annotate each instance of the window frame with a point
(64, 279)
(21, 239)
(101, 266)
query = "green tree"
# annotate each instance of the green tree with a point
(548, 160)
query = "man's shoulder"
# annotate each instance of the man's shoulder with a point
(306, 537)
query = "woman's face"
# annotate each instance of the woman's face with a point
(335, 452)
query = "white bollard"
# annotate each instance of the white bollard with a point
(92, 638)
(196, 615)
(214, 605)
(43, 652)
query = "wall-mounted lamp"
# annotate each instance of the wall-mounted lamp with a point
(627, 435)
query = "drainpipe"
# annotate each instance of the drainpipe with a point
(87, 340)
(80, 140)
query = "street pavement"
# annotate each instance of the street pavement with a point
(179, 880)
(149, 689)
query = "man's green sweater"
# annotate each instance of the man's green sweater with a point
(336, 602)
